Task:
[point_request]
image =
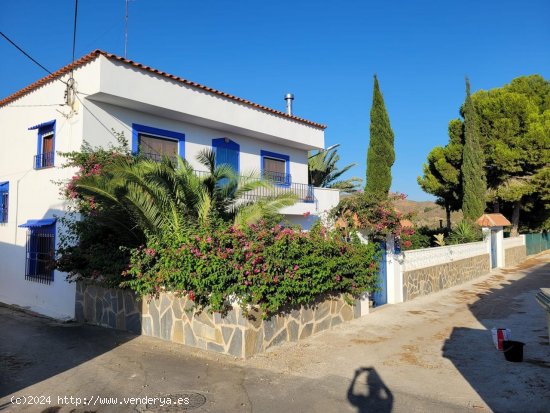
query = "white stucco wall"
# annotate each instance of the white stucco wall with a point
(144, 99)
(33, 193)
(102, 117)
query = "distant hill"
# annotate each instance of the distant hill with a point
(426, 213)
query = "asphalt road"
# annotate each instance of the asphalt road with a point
(432, 354)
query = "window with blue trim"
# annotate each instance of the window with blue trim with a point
(40, 250)
(275, 167)
(227, 152)
(156, 144)
(4, 200)
(45, 151)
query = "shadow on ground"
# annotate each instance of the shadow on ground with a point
(503, 385)
(33, 349)
(372, 395)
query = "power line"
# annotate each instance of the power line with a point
(34, 106)
(74, 29)
(25, 53)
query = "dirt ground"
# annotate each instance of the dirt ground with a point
(432, 354)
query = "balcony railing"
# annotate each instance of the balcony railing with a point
(43, 160)
(282, 182)
(303, 191)
(157, 157)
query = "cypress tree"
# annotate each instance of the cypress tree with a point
(473, 164)
(381, 154)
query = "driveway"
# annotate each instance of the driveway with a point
(432, 354)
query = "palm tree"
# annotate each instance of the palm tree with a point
(323, 171)
(145, 196)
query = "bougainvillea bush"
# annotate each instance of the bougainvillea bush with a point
(263, 265)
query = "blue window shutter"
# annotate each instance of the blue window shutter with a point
(4, 199)
(227, 152)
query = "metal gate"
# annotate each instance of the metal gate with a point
(381, 296)
(538, 242)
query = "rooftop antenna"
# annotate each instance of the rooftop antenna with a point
(126, 31)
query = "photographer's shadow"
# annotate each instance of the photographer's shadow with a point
(376, 397)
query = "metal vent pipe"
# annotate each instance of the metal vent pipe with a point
(289, 97)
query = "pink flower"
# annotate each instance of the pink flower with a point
(209, 240)
(296, 268)
(276, 279)
(150, 252)
(191, 295)
(307, 214)
(338, 278)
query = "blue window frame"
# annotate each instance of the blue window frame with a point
(155, 143)
(40, 250)
(227, 152)
(4, 201)
(45, 147)
(275, 167)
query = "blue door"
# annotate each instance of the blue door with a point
(381, 296)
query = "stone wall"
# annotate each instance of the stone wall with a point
(514, 255)
(427, 280)
(104, 307)
(172, 318)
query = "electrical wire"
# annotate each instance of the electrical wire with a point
(34, 106)
(28, 55)
(95, 117)
(74, 29)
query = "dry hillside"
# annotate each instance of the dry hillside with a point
(426, 213)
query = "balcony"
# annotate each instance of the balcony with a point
(310, 199)
(282, 184)
(43, 160)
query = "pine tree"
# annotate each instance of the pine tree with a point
(381, 154)
(473, 164)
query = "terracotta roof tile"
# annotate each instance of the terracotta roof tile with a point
(93, 55)
(493, 220)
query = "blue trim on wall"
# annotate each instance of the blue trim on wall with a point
(4, 211)
(275, 155)
(221, 143)
(44, 128)
(43, 125)
(161, 133)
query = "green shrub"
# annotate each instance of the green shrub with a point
(465, 232)
(261, 265)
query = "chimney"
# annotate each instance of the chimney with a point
(289, 97)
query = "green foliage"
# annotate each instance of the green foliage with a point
(120, 199)
(261, 264)
(441, 175)
(473, 163)
(376, 217)
(324, 171)
(465, 232)
(381, 154)
(513, 125)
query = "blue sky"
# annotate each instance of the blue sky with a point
(324, 52)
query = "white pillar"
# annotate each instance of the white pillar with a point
(394, 273)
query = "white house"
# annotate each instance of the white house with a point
(159, 114)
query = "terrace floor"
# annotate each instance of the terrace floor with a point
(432, 354)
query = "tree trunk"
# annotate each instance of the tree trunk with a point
(448, 214)
(515, 219)
(496, 206)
